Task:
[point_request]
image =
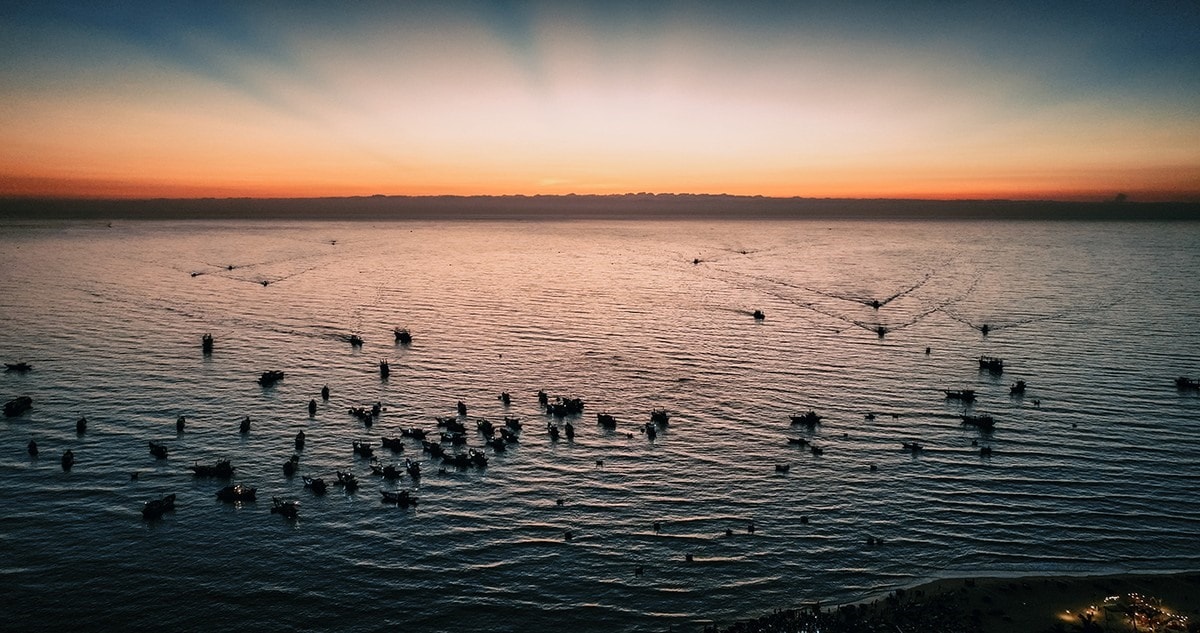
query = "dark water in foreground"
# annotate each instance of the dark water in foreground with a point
(1101, 477)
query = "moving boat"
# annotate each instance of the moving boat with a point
(154, 509)
(237, 492)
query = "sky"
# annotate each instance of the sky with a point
(1024, 100)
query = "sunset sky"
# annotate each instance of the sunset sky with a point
(1059, 100)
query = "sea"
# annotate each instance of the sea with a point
(1094, 468)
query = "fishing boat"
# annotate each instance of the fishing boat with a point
(984, 422)
(20, 367)
(155, 508)
(237, 492)
(289, 509)
(402, 498)
(269, 378)
(221, 469)
(991, 363)
(1183, 382)
(158, 450)
(315, 484)
(966, 395)
(17, 406)
(403, 336)
(810, 418)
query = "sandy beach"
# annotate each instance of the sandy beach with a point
(1035, 604)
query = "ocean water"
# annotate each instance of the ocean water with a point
(1094, 469)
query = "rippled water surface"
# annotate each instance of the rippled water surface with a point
(1094, 469)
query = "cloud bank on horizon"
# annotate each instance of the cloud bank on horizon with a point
(936, 99)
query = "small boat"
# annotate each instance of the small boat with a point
(403, 336)
(269, 378)
(605, 420)
(312, 407)
(154, 509)
(486, 427)
(81, 425)
(317, 485)
(505, 398)
(385, 370)
(206, 343)
(797, 441)
(991, 363)
(356, 340)
(759, 316)
(512, 423)
(289, 467)
(68, 460)
(462, 407)
(237, 492)
(1184, 383)
(158, 450)
(289, 509)
(782, 468)
(221, 469)
(32, 448)
(413, 432)
(553, 430)
(809, 418)
(394, 443)
(17, 406)
(965, 395)
(180, 422)
(911, 446)
(984, 422)
(300, 440)
(660, 416)
(1017, 388)
(325, 392)
(402, 498)
(347, 481)
(20, 367)
(413, 468)
(570, 430)
(244, 427)
(650, 430)
(362, 449)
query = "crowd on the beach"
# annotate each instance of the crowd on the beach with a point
(901, 611)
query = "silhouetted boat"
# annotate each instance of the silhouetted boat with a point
(403, 336)
(1183, 382)
(221, 469)
(17, 406)
(984, 422)
(317, 485)
(1017, 387)
(289, 509)
(385, 370)
(809, 418)
(154, 509)
(68, 460)
(960, 394)
(395, 444)
(362, 448)
(17, 367)
(81, 425)
(402, 498)
(237, 492)
(347, 481)
(290, 466)
(158, 450)
(355, 340)
(269, 378)
(607, 421)
(991, 363)
(660, 416)
(206, 343)
(759, 316)
(32, 447)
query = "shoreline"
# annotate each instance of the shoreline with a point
(1015, 604)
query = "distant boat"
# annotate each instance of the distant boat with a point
(984, 422)
(402, 498)
(355, 340)
(605, 420)
(222, 469)
(1017, 387)
(660, 416)
(206, 343)
(158, 450)
(237, 492)
(1183, 382)
(992, 364)
(269, 378)
(810, 418)
(403, 336)
(17, 406)
(289, 509)
(154, 509)
(316, 485)
(960, 394)
(20, 367)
